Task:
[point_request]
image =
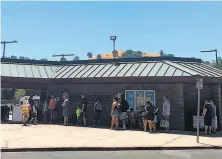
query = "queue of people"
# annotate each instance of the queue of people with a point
(210, 117)
(119, 113)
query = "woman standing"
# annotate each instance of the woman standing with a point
(65, 111)
(114, 114)
(150, 115)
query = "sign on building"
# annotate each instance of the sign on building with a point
(199, 83)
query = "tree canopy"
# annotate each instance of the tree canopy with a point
(132, 54)
(76, 58)
(89, 54)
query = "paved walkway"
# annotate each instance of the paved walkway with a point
(56, 136)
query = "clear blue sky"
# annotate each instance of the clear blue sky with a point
(45, 28)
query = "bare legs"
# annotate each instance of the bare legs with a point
(206, 128)
(150, 125)
(65, 120)
(115, 122)
(145, 125)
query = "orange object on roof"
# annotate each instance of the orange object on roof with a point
(120, 54)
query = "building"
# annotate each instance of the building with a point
(141, 79)
(120, 54)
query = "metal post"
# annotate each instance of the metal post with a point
(216, 58)
(198, 115)
(3, 50)
(114, 47)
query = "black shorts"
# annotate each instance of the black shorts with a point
(207, 121)
(98, 114)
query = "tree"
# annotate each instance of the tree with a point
(63, 58)
(76, 58)
(99, 56)
(44, 59)
(19, 93)
(13, 57)
(22, 57)
(89, 54)
(132, 54)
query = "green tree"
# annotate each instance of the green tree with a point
(76, 58)
(89, 54)
(99, 56)
(20, 93)
(13, 57)
(63, 59)
(132, 54)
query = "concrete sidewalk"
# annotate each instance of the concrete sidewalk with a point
(16, 136)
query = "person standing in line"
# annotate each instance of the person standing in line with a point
(65, 111)
(78, 115)
(97, 110)
(34, 113)
(83, 104)
(155, 121)
(52, 104)
(166, 111)
(208, 115)
(45, 111)
(115, 114)
(132, 118)
(31, 103)
(124, 106)
(25, 108)
(214, 119)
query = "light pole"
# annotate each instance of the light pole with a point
(215, 50)
(6, 42)
(113, 38)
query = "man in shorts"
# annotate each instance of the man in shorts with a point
(83, 105)
(52, 104)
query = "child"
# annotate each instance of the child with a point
(78, 115)
(132, 119)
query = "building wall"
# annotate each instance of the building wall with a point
(173, 91)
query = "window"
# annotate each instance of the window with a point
(138, 98)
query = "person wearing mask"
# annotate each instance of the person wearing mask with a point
(166, 111)
(124, 106)
(52, 104)
(97, 110)
(214, 119)
(83, 105)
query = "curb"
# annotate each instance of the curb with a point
(105, 148)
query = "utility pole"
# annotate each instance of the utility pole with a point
(6, 42)
(62, 55)
(215, 50)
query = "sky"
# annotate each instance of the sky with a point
(46, 28)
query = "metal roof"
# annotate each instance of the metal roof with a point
(137, 69)
(27, 70)
(98, 70)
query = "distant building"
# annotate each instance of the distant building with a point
(120, 54)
